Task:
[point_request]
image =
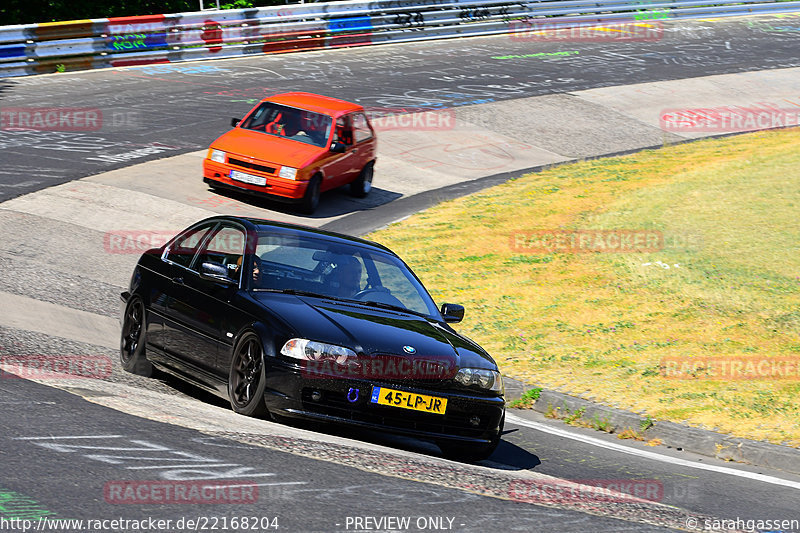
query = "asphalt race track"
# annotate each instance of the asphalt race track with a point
(175, 108)
(66, 446)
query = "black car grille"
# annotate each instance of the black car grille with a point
(442, 379)
(453, 423)
(254, 166)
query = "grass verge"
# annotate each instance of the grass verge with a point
(724, 283)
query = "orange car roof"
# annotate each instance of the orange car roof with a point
(314, 102)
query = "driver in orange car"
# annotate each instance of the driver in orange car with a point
(312, 125)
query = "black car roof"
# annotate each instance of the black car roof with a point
(287, 227)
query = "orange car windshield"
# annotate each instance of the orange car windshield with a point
(289, 122)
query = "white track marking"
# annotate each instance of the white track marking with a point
(513, 419)
(71, 437)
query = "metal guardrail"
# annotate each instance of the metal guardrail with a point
(124, 41)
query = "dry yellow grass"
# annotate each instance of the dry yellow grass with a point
(599, 325)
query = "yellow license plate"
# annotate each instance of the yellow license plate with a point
(408, 400)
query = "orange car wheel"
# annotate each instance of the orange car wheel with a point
(363, 183)
(311, 198)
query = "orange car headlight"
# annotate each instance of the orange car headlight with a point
(288, 173)
(216, 155)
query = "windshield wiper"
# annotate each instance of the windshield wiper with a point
(381, 305)
(368, 303)
(298, 292)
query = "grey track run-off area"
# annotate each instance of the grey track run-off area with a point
(62, 229)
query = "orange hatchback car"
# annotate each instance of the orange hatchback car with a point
(293, 147)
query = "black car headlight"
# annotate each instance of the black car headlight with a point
(307, 350)
(485, 379)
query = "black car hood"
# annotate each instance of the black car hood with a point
(371, 331)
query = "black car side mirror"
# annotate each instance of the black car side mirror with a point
(452, 313)
(216, 273)
(338, 147)
(235, 122)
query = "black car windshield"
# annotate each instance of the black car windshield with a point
(289, 122)
(301, 264)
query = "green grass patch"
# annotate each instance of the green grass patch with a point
(527, 399)
(724, 284)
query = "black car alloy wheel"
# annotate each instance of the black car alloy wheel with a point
(132, 341)
(246, 380)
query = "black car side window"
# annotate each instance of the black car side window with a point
(185, 247)
(225, 248)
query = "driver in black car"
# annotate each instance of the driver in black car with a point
(347, 278)
(257, 280)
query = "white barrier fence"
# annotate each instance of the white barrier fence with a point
(97, 43)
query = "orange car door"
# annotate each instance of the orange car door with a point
(364, 139)
(341, 167)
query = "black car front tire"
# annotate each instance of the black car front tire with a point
(247, 380)
(133, 339)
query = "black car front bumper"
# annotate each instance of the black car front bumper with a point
(469, 418)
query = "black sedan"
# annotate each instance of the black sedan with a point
(290, 321)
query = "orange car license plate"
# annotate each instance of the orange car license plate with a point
(408, 400)
(248, 178)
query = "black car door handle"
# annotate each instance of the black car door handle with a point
(178, 280)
